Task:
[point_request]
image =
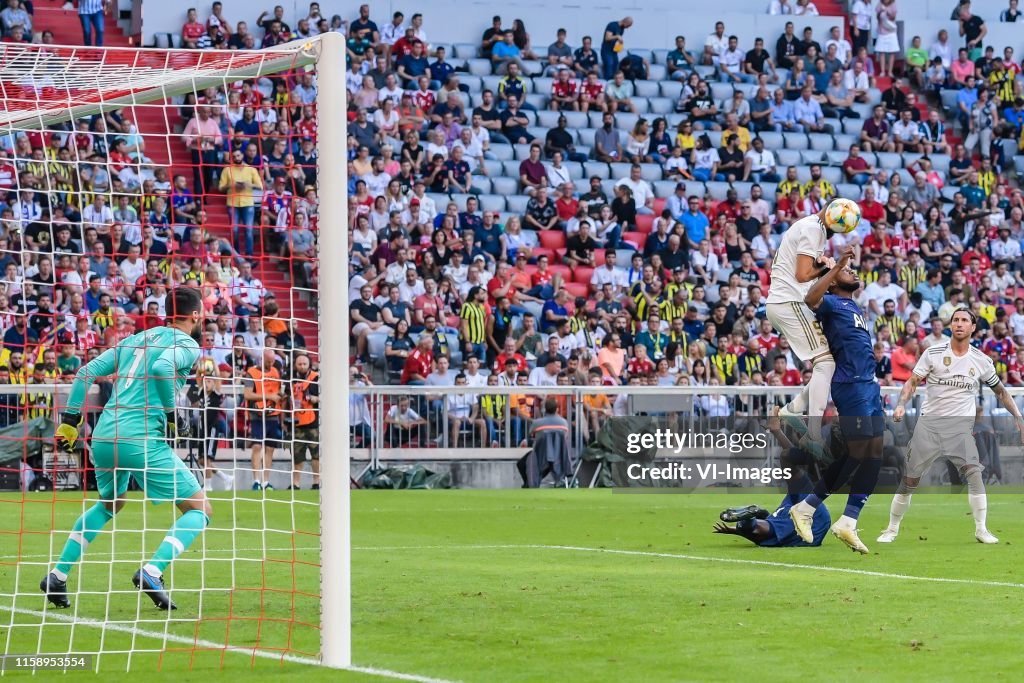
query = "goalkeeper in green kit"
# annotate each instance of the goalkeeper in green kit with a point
(134, 438)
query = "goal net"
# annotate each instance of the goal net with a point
(125, 176)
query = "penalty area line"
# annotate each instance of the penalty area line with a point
(202, 644)
(705, 558)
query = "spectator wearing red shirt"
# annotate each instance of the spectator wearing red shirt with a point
(904, 358)
(856, 168)
(566, 206)
(640, 365)
(767, 340)
(192, 31)
(420, 362)
(730, 206)
(564, 92)
(878, 242)
(870, 210)
(790, 378)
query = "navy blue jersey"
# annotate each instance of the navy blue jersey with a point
(784, 533)
(846, 329)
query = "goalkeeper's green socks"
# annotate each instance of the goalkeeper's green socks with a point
(184, 532)
(86, 528)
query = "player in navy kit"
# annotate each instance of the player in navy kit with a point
(858, 399)
(775, 529)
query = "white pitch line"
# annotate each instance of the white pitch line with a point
(200, 643)
(704, 558)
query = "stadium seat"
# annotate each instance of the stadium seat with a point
(575, 289)
(539, 101)
(650, 172)
(940, 163)
(836, 158)
(522, 152)
(466, 50)
(661, 106)
(640, 104)
(511, 168)
(848, 190)
(482, 183)
(671, 89)
(821, 142)
(548, 119)
(664, 188)
(624, 256)
(795, 140)
(560, 268)
(503, 152)
(742, 189)
(494, 169)
(657, 72)
(575, 170)
(582, 274)
(516, 203)
(721, 92)
(647, 88)
(599, 257)
(637, 239)
(538, 132)
(715, 136)
(852, 126)
(541, 251)
(586, 136)
(832, 174)
(811, 156)
(659, 205)
(491, 83)
(787, 157)
(889, 160)
(531, 66)
(625, 121)
(619, 171)
(597, 169)
(909, 158)
(772, 140)
(644, 223)
(551, 239)
(717, 190)
(843, 141)
(542, 84)
(492, 202)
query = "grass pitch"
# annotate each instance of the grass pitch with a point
(532, 586)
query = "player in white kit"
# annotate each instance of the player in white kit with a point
(955, 371)
(798, 263)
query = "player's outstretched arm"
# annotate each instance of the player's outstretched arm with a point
(101, 366)
(1007, 402)
(820, 288)
(909, 388)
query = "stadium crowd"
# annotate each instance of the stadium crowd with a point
(534, 216)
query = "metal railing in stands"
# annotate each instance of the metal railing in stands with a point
(436, 440)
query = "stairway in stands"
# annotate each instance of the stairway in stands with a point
(155, 122)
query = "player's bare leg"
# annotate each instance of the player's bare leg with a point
(257, 467)
(85, 529)
(195, 517)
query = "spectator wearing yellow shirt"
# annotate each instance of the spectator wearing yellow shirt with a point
(596, 407)
(239, 181)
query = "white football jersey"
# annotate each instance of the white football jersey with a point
(954, 382)
(806, 236)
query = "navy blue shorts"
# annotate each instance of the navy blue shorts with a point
(265, 430)
(860, 409)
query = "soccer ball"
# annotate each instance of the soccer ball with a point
(842, 215)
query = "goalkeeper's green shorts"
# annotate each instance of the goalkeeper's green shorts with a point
(153, 464)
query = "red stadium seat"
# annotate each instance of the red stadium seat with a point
(562, 270)
(581, 274)
(560, 255)
(576, 289)
(530, 269)
(599, 257)
(645, 224)
(638, 239)
(551, 239)
(544, 251)
(659, 206)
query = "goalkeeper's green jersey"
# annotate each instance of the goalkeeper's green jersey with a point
(147, 369)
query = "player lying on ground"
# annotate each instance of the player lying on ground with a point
(131, 440)
(858, 400)
(775, 529)
(954, 371)
(798, 262)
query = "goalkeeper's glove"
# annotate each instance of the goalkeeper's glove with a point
(178, 427)
(67, 432)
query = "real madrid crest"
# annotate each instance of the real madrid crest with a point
(947, 361)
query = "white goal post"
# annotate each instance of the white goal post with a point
(47, 85)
